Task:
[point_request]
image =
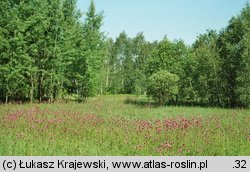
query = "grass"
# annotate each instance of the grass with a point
(114, 125)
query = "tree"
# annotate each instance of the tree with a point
(71, 45)
(13, 52)
(243, 79)
(162, 86)
(107, 66)
(122, 65)
(206, 79)
(141, 51)
(234, 55)
(173, 57)
(93, 52)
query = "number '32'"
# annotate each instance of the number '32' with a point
(240, 164)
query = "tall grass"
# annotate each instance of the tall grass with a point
(110, 125)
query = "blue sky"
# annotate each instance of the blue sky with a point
(178, 19)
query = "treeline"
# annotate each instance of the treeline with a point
(49, 50)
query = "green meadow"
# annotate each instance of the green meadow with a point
(122, 125)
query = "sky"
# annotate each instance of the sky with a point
(177, 19)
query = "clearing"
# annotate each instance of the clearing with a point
(122, 125)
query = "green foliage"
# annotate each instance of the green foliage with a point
(234, 53)
(93, 52)
(175, 58)
(162, 86)
(43, 46)
(49, 50)
(207, 68)
(243, 79)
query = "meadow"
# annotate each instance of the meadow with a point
(119, 125)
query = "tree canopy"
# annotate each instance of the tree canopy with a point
(49, 50)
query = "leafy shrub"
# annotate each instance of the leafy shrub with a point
(162, 86)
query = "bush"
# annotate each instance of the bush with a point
(162, 86)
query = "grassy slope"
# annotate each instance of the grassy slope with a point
(110, 125)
